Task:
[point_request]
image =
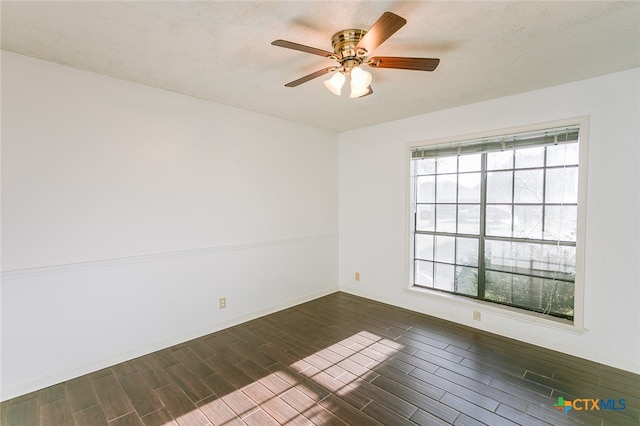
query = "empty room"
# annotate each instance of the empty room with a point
(320, 213)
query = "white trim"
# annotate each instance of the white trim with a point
(153, 257)
(496, 309)
(581, 232)
(60, 376)
(510, 312)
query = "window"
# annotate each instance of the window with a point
(497, 219)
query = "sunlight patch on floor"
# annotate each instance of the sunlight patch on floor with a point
(299, 394)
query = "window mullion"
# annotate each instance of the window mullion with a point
(513, 192)
(483, 225)
(544, 194)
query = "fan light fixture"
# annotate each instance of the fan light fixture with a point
(360, 82)
(335, 83)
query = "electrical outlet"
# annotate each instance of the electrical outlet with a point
(223, 302)
(357, 276)
(476, 315)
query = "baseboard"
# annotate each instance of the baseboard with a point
(45, 381)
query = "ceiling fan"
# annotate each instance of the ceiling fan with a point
(351, 49)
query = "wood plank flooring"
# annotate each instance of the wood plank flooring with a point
(337, 360)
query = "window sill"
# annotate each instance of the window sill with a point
(505, 311)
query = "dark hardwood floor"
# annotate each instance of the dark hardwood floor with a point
(338, 360)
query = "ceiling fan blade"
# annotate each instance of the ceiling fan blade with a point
(384, 28)
(301, 48)
(311, 76)
(418, 64)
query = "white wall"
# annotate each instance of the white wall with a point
(128, 211)
(374, 227)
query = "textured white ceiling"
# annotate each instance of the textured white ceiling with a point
(220, 51)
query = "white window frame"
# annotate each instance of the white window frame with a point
(579, 286)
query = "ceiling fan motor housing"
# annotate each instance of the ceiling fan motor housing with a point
(344, 44)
